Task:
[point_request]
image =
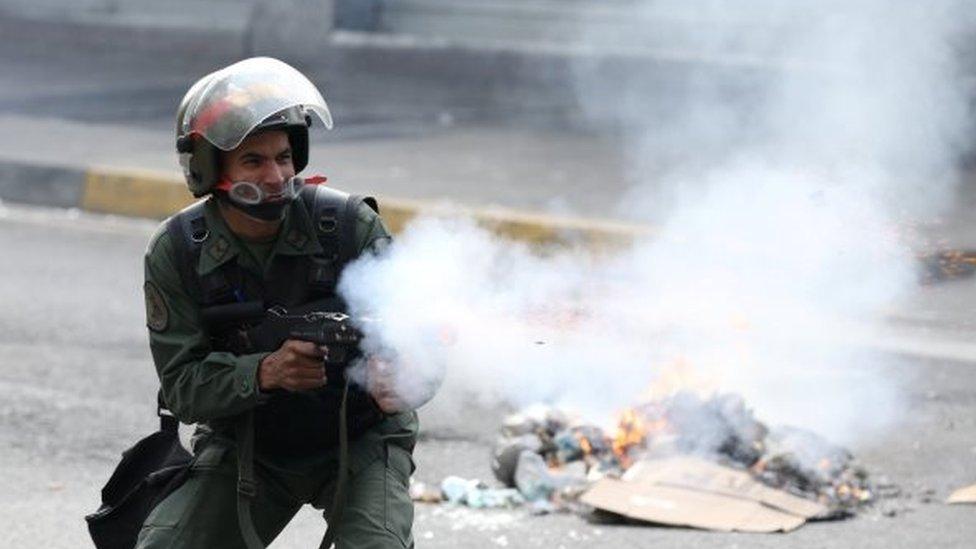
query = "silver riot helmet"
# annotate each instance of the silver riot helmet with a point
(225, 106)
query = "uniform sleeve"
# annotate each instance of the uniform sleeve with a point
(371, 233)
(198, 384)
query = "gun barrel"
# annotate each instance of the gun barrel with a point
(326, 333)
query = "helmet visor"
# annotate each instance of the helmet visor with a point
(238, 98)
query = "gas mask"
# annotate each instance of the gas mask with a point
(253, 200)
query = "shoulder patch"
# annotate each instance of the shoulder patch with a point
(157, 315)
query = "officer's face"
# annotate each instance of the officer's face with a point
(263, 159)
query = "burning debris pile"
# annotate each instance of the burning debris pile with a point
(546, 458)
(723, 429)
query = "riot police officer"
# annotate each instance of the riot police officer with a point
(268, 433)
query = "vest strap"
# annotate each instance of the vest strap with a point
(333, 214)
(188, 231)
(246, 485)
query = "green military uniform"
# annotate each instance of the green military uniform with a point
(211, 388)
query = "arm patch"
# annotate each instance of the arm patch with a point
(157, 314)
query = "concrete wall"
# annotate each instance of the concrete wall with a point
(456, 20)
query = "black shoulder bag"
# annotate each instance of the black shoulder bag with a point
(149, 471)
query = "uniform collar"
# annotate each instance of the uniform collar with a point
(297, 237)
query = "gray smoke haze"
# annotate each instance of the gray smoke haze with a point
(776, 147)
(864, 92)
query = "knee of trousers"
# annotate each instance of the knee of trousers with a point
(379, 512)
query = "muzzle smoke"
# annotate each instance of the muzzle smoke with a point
(776, 152)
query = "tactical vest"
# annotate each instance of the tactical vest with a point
(287, 423)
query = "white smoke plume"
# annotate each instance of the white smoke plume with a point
(776, 160)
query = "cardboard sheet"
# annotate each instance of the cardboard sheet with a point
(687, 491)
(963, 495)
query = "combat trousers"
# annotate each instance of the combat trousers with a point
(378, 512)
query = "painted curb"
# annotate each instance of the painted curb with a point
(528, 227)
(133, 193)
(157, 195)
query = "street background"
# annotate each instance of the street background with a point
(469, 103)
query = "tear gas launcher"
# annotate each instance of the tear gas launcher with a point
(252, 328)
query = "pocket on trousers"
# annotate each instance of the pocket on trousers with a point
(399, 507)
(170, 512)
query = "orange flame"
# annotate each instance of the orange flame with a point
(630, 432)
(584, 444)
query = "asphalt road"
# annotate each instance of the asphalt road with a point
(77, 388)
